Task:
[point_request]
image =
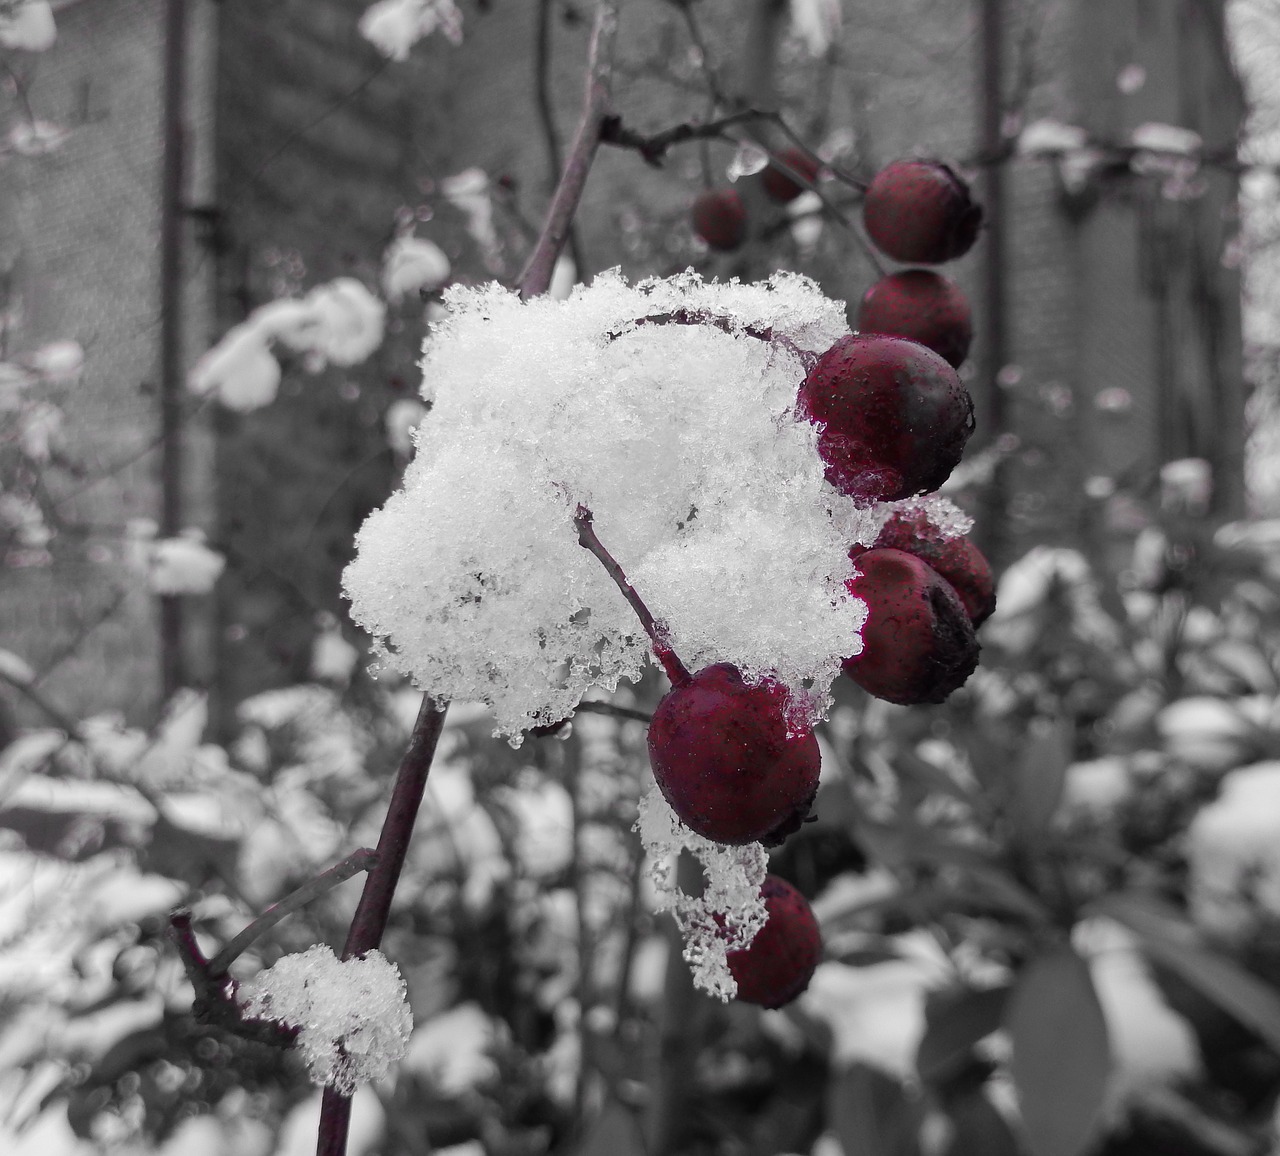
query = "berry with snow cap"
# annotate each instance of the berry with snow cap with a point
(918, 644)
(896, 417)
(956, 558)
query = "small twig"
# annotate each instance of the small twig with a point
(536, 276)
(595, 706)
(728, 325)
(587, 539)
(215, 1001)
(361, 860)
(546, 115)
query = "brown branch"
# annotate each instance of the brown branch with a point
(362, 860)
(536, 276)
(374, 908)
(595, 706)
(547, 118)
(215, 1002)
(587, 539)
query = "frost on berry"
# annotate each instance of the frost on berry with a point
(353, 1015)
(680, 437)
(730, 910)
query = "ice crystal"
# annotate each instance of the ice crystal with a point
(728, 913)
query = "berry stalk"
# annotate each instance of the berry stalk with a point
(676, 670)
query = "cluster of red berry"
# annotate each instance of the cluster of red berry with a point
(895, 418)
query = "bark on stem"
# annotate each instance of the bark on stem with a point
(596, 106)
(370, 919)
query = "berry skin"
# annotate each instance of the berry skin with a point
(958, 560)
(896, 416)
(921, 306)
(920, 211)
(720, 219)
(723, 761)
(782, 188)
(918, 644)
(777, 965)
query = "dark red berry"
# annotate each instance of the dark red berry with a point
(720, 218)
(896, 416)
(958, 560)
(723, 760)
(782, 187)
(777, 965)
(921, 306)
(920, 211)
(918, 644)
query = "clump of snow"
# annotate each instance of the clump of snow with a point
(681, 438)
(468, 192)
(1233, 849)
(817, 23)
(353, 1014)
(240, 370)
(393, 27)
(184, 565)
(28, 25)
(403, 416)
(57, 362)
(940, 512)
(339, 322)
(411, 264)
(452, 1050)
(1050, 136)
(348, 321)
(729, 912)
(1166, 138)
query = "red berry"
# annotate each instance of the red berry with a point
(777, 965)
(921, 211)
(958, 560)
(720, 218)
(896, 416)
(921, 306)
(723, 760)
(918, 644)
(782, 187)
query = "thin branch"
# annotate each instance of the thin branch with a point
(215, 1001)
(595, 706)
(374, 908)
(597, 104)
(362, 860)
(547, 117)
(587, 539)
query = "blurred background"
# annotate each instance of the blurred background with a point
(186, 716)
